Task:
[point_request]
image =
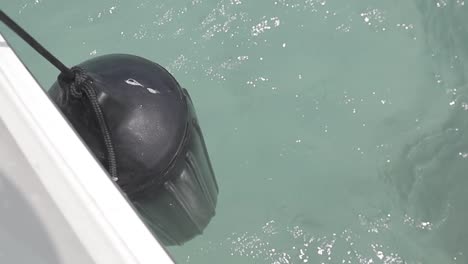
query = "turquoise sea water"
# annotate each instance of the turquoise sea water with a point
(337, 129)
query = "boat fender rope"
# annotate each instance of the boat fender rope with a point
(77, 81)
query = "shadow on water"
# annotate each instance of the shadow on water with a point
(429, 173)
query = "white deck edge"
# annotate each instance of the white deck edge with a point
(98, 213)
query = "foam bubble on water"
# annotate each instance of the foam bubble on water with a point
(375, 18)
(265, 25)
